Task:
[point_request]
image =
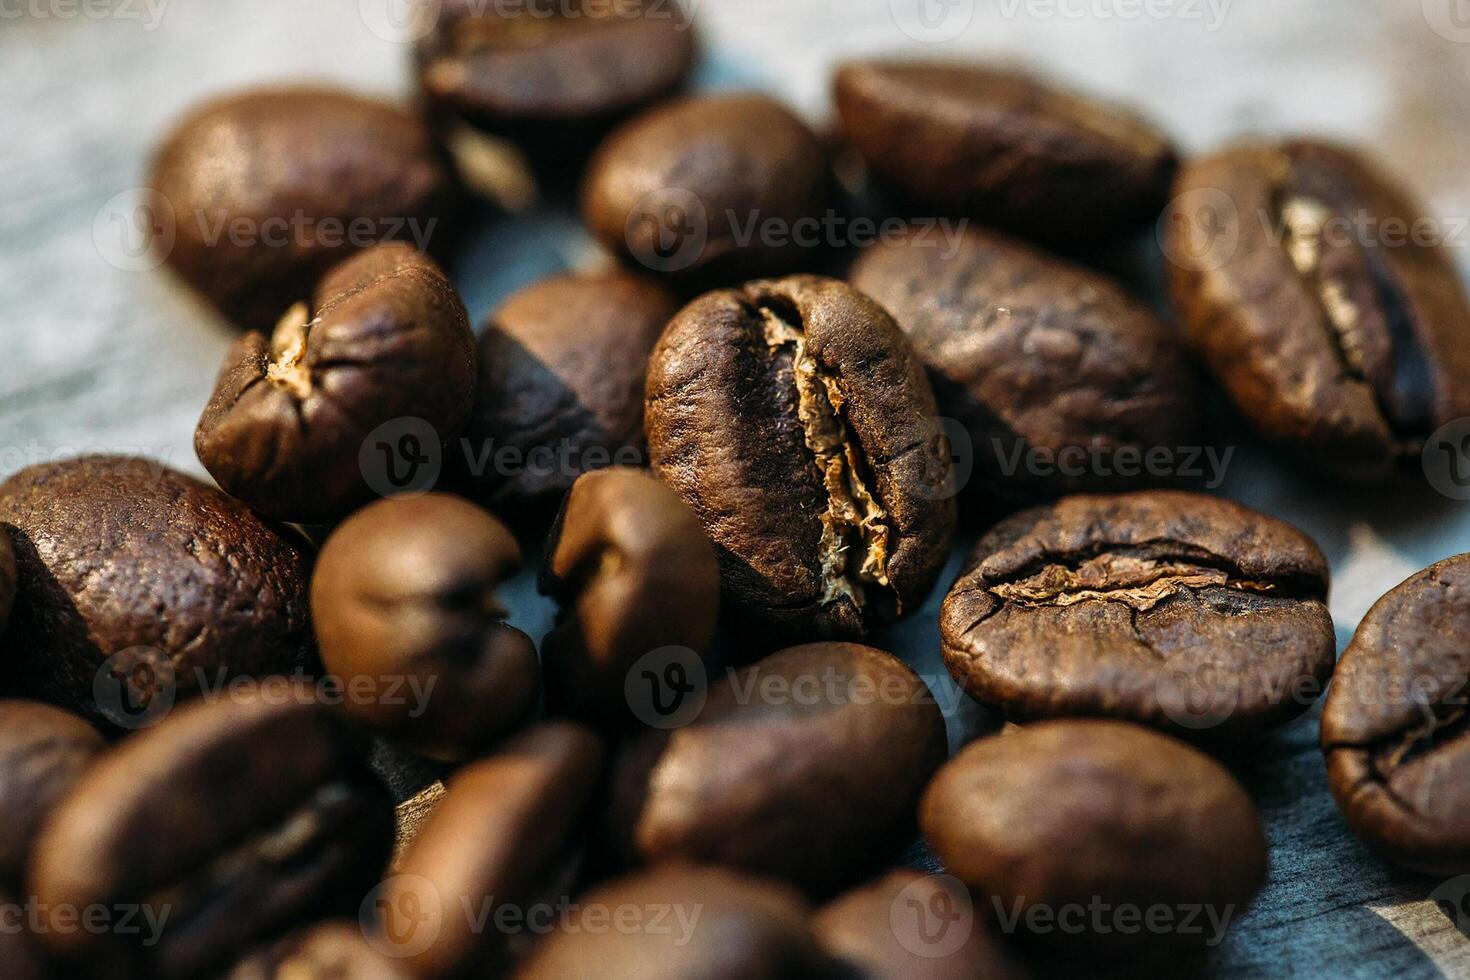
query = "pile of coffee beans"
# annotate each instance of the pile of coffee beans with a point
(739, 458)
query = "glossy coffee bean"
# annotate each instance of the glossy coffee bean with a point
(242, 819)
(1054, 821)
(407, 616)
(1341, 341)
(43, 751)
(506, 837)
(711, 923)
(562, 367)
(633, 573)
(1005, 147)
(1393, 723)
(805, 766)
(1176, 610)
(1062, 381)
(676, 190)
(384, 342)
(791, 416)
(262, 191)
(908, 925)
(121, 557)
(335, 950)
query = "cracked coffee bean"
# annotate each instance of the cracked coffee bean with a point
(1176, 610)
(406, 612)
(562, 367)
(263, 191)
(794, 418)
(241, 819)
(505, 838)
(1005, 147)
(1337, 342)
(1394, 723)
(806, 766)
(689, 189)
(633, 572)
(385, 339)
(716, 923)
(1065, 817)
(335, 950)
(43, 752)
(1038, 359)
(130, 567)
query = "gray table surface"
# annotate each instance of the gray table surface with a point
(100, 353)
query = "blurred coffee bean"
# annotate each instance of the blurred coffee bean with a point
(43, 751)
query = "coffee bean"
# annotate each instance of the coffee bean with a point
(405, 609)
(291, 426)
(19, 959)
(1177, 610)
(240, 820)
(1005, 147)
(711, 923)
(8, 574)
(43, 751)
(562, 367)
(506, 837)
(911, 926)
(1336, 339)
(138, 584)
(694, 189)
(633, 573)
(792, 417)
(335, 950)
(1039, 360)
(805, 766)
(1098, 836)
(262, 191)
(1394, 718)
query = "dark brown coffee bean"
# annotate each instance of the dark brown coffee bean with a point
(8, 574)
(633, 572)
(1059, 820)
(1177, 610)
(406, 614)
(335, 950)
(1006, 147)
(712, 923)
(677, 189)
(19, 959)
(792, 416)
(301, 425)
(1338, 341)
(164, 583)
(240, 820)
(562, 367)
(1063, 381)
(43, 751)
(507, 836)
(1394, 721)
(261, 192)
(805, 766)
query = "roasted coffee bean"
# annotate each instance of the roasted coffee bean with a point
(553, 76)
(291, 426)
(676, 190)
(633, 572)
(405, 609)
(793, 417)
(562, 368)
(911, 926)
(715, 923)
(1177, 610)
(1054, 821)
(805, 766)
(1006, 147)
(164, 583)
(1394, 722)
(8, 576)
(43, 751)
(240, 820)
(507, 836)
(259, 193)
(1336, 341)
(335, 950)
(1063, 382)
